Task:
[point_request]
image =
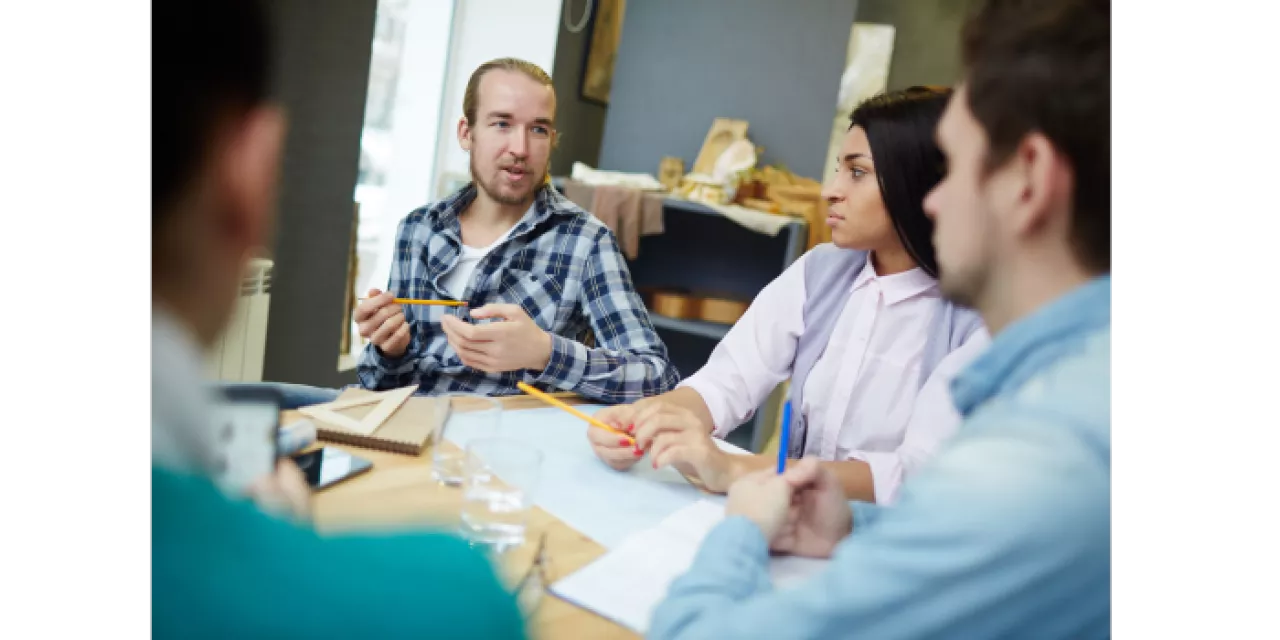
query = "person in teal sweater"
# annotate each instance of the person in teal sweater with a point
(222, 567)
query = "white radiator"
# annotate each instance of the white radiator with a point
(237, 356)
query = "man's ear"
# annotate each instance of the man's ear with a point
(250, 170)
(1045, 181)
(464, 133)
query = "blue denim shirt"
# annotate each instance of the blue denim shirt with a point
(1005, 534)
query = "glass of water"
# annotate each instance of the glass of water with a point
(497, 495)
(470, 417)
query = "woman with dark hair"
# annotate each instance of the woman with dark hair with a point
(857, 325)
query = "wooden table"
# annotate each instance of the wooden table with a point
(399, 492)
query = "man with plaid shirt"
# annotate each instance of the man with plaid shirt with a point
(537, 273)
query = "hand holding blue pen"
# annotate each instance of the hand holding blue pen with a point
(785, 440)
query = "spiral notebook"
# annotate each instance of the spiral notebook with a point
(395, 421)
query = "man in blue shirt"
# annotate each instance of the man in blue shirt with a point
(1007, 532)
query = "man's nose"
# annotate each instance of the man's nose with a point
(519, 145)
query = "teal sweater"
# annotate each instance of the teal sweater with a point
(222, 569)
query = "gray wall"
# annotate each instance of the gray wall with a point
(682, 63)
(581, 123)
(926, 44)
(322, 75)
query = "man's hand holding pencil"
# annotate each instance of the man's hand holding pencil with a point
(381, 320)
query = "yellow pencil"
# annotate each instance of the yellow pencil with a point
(555, 402)
(429, 303)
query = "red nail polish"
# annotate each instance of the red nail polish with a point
(623, 442)
(639, 453)
(631, 428)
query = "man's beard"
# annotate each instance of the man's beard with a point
(497, 196)
(967, 279)
(964, 288)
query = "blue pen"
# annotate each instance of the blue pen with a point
(785, 441)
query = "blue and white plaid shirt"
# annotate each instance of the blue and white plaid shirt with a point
(561, 265)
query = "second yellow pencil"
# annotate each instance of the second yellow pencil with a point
(555, 402)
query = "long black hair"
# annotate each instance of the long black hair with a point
(900, 126)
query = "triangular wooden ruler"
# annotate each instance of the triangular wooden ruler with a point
(388, 403)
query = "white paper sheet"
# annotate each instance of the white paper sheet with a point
(579, 489)
(628, 582)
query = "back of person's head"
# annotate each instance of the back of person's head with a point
(900, 129)
(1044, 66)
(210, 64)
(215, 152)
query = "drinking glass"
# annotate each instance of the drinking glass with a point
(498, 492)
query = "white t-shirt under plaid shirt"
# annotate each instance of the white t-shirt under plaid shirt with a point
(563, 267)
(456, 280)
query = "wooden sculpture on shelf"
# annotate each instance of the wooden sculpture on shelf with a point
(724, 132)
(725, 172)
(799, 196)
(670, 170)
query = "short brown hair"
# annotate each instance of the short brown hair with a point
(471, 98)
(1045, 66)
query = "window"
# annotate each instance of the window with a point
(407, 72)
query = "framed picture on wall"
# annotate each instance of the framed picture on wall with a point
(602, 50)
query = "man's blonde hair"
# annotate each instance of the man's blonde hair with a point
(471, 98)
